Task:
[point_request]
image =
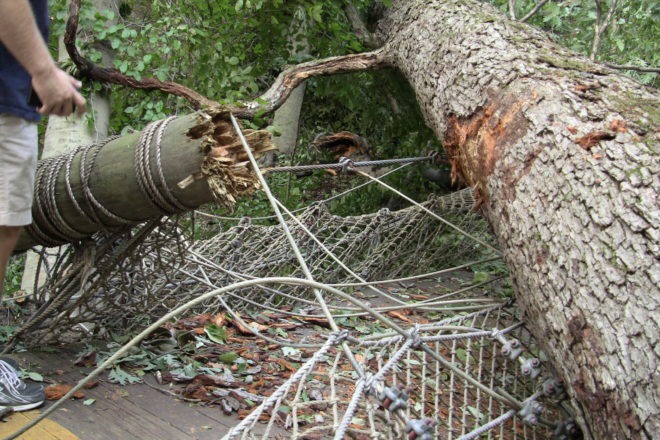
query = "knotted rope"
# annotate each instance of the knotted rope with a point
(51, 227)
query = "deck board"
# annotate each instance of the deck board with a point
(119, 412)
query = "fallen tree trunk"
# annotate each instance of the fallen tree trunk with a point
(171, 166)
(563, 154)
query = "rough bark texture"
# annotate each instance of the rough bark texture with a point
(563, 154)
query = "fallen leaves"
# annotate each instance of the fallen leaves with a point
(57, 391)
(408, 316)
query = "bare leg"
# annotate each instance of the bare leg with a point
(8, 238)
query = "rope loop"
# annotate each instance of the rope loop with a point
(149, 169)
(339, 336)
(414, 336)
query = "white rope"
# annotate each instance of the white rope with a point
(488, 426)
(283, 389)
(292, 241)
(431, 213)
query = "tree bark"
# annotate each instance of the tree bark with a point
(563, 155)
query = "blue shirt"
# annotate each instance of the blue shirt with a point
(14, 79)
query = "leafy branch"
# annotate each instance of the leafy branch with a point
(270, 101)
(634, 68)
(113, 76)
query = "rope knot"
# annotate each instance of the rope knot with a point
(339, 336)
(346, 164)
(370, 383)
(413, 335)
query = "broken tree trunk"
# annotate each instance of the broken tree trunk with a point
(172, 166)
(563, 154)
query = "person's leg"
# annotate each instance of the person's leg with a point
(8, 238)
(18, 161)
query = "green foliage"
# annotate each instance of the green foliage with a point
(122, 377)
(14, 274)
(633, 37)
(216, 333)
(228, 51)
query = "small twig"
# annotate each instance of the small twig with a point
(170, 393)
(601, 25)
(534, 10)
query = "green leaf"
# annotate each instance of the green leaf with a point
(461, 354)
(216, 333)
(35, 376)
(228, 357)
(480, 277)
(122, 377)
(89, 402)
(315, 12)
(291, 352)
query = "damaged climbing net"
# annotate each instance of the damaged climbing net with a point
(406, 347)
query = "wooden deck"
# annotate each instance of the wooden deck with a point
(118, 412)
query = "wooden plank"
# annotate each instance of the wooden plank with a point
(45, 430)
(124, 412)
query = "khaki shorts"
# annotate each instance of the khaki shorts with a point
(18, 161)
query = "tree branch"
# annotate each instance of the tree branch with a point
(601, 25)
(635, 68)
(289, 79)
(534, 10)
(114, 76)
(512, 9)
(361, 32)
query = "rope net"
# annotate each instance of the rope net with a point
(400, 343)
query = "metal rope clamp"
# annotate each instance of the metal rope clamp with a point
(530, 367)
(435, 157)
(567, 430)
(395, 397)
(531, 411)
(420, 429)
(554, 387)
(511, 348)
(346, 164)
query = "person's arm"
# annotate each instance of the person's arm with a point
(57, 90)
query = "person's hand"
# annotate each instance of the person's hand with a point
(58, 92)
